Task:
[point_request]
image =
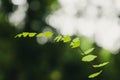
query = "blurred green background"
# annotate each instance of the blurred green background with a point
(31, 59)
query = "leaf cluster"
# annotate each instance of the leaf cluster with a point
(74, 43)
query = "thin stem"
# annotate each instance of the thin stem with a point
(82, 52)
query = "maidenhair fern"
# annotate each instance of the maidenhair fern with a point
(74, 43)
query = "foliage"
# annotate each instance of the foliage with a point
(89, 58)
(89, 50)
(100, 65)
(74, 43)
(95, 74)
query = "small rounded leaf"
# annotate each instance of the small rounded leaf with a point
(25, 34)
(66, 39)
(32, 34)
(48, 34)
(75, 43)
(89, 58)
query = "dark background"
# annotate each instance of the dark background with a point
(26, 59)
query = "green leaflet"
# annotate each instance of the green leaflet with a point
(48, 34)
(89, 50)
(25, 34)
(39, 35)
(58, 38)
(100, 65)
(66, 39)
(18, 35)
(95, 74)
(32, 34)
(75, 43)
(89, 58)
